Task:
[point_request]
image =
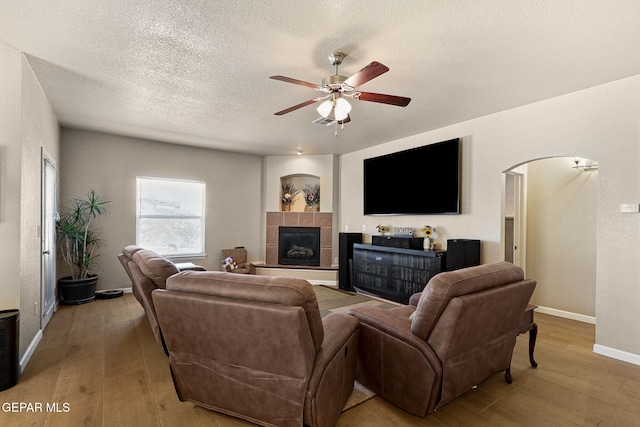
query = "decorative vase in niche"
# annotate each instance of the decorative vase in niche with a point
(286, 207)
(427, 244)
(314, 208)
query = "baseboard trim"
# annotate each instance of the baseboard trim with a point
(566, 315)
(32, 347)
(616, 354)
(602, 350)
(324, 282)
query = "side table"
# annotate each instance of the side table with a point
(527, 324)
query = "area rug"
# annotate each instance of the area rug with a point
(332, 300)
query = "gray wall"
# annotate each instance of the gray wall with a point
(110, 164)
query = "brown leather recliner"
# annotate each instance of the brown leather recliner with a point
(455, 334)
(124, 259)
(255, 347)
(148, 271)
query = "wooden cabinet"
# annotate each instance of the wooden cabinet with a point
(394, 273)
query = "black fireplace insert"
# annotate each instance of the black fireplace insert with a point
(299, 246)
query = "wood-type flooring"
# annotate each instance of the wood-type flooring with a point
(98, 364)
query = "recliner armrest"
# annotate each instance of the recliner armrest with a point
(334, 370)
(338, 328)
(390, 354)
(388, 322)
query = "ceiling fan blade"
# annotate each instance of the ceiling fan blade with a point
(400, 101)
(369, 72)
(296, 81)
(295, 107)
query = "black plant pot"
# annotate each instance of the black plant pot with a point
(77, 291)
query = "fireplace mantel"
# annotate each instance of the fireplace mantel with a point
(299, 219)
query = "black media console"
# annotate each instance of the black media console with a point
(397, 273)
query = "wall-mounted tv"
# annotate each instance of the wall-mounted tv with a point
(419, 181)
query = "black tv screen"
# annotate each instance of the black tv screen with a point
(419, 181)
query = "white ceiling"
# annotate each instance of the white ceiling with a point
(197, 71)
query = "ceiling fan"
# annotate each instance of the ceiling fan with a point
(336, 88)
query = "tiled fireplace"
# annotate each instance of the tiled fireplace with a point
(313, 220)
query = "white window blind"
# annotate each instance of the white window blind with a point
(170, 216)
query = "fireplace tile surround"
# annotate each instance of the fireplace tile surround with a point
(324, 220)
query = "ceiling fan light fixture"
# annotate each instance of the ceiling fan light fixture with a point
(342, 109)
(325, 108)
(333, 107)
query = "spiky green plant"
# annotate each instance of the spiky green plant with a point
(76, 239)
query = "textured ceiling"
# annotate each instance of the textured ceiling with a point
(197, 71)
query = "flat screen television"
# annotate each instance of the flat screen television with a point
(418, 181)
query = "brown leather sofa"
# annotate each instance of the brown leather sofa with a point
(255, 347)
(455, 334)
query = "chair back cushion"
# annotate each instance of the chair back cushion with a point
(129, 250)
(443, 287)
(255, 290)
(154, 266)
(475, 335)
(125, 257)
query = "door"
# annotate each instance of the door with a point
(49, 217)
(514, 219)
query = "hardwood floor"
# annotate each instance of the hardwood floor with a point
(100, 364)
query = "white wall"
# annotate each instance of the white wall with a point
(10, 175)
(279, 166)
(110, 164)
(27, 124)
(600, 123)
(39, 130)
(562, 205)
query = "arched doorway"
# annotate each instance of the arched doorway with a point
(549, 229)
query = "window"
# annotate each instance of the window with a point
(170, 216)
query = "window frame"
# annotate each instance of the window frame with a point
(202, 217)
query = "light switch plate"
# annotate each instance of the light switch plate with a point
(630, 208)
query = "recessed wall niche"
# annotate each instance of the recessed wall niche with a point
(300, 193)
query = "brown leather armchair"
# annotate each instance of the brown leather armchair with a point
(455, 334)
(255, 347)
(124, 259)
(148, 271)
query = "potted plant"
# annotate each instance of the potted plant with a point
(78, 243)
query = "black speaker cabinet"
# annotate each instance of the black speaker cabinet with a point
(398, 242)
(462, 253)
(345, 255)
